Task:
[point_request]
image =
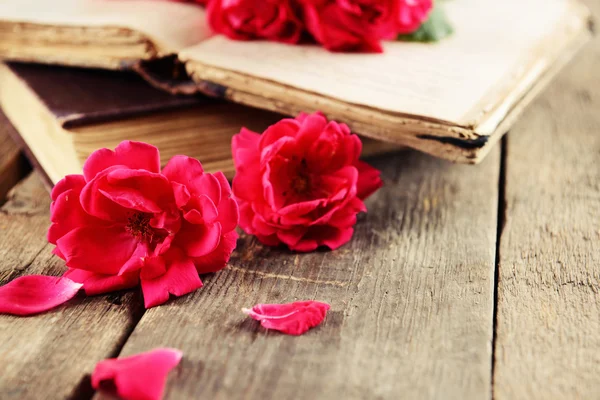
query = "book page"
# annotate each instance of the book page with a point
(444, 80)
(170, 25)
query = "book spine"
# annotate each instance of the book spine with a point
(169, 74)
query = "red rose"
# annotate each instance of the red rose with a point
(301, 183)
(255, 19)
(124, 221)
(410, 14)
(350, 25)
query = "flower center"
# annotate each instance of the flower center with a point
(300, 184)
(139, 226)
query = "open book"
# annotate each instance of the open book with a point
(453, 99)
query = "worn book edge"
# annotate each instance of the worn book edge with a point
(466, 141)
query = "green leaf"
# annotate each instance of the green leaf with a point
(434, 29)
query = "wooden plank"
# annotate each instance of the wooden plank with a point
(411, 296)
(548, 323)
(13, 166)
(50, 354)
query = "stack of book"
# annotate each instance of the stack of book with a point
(80, 75)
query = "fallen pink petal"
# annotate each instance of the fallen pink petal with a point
(34, 294)
(139, 377)
(291, 318)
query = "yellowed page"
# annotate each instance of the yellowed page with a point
(170, 25)
(446, 81)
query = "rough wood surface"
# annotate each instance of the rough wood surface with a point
(51, 354)
(411, 296)
(12, 164)
(548, 323)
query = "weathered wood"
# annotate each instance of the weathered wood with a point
(411, 297)
(13, 166)
(49, 355)
(548, 323)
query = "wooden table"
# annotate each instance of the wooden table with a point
(462, 282)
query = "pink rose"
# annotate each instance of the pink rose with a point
(350, 25)
(124, 221)
(410, 14)
(255, 19)
(301, 183)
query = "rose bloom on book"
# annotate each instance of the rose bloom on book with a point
(338, 25)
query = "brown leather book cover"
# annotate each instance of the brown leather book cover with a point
(78, 96)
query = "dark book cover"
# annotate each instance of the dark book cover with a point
(78, 96)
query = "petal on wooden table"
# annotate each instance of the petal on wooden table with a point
(33, 294)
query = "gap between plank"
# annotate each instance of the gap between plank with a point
(84, 389)
(500, 222)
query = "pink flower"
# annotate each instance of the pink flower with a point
(34, 294)
(255, 19)
(301, 183)
(410, 14)
(124, 221)
(139, 377)
(291, 318)
(350, 25)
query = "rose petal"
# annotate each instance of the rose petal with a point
(198, 240)
(181, 278)
(225, 188)
(188, 172)
(291, 237)
(138, 190)
(323, 235)
(204, 210)
(154, 267)
(246, 139)
(291, 318)
(229, 214)
(137, 259)
(285, 127)
(139, 377)
(94, 283)
(369, 180)
(209, 186)
(98, 205)
(67, 214)
(69, 182)
(246, 216)
(311, 126)
(34, 294)
(246, 183)
(182, 195)
(218, 258)
(134, 155)
(100, 249)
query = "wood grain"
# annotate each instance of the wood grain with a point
(411, 298)
(51, 354)
(548, 324)
(13, 166)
